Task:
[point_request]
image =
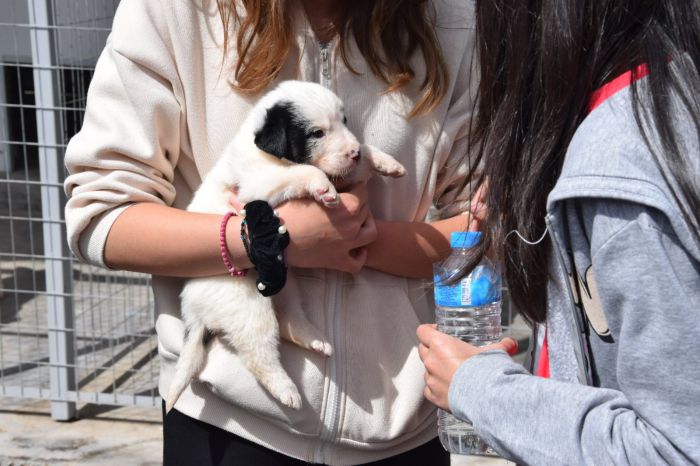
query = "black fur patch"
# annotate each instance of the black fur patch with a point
(284, 134)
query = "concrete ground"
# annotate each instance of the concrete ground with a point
(103, 436)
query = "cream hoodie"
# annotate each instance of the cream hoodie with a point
(160, 110)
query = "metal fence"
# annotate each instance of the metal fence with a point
(68, 332)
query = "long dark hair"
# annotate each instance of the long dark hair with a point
(540, 61)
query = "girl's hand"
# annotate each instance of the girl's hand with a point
(330, 238)
(477, 207)
(442, 354)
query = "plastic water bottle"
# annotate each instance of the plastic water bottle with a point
(470, 310)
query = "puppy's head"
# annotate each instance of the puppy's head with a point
(304, 123)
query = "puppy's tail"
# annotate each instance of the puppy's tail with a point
(191, 361)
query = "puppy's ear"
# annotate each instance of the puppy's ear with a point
(283, 134)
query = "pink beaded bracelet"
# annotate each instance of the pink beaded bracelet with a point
(232, 270)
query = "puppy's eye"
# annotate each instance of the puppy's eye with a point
(345, 120)
(317, 134)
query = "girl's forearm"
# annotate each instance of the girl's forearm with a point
(161, 240)
(409, 249)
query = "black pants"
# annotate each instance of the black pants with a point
(189, 442)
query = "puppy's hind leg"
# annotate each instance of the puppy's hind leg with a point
(294, 325)
(192, 357)
(257, 345)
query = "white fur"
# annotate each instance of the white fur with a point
(232, 307)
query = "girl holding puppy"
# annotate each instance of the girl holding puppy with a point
(589, 133)
(172, 87)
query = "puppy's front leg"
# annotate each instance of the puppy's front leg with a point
(292, 182)
(294, 325)
(382, 162)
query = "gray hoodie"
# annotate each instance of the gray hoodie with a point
(625, 386)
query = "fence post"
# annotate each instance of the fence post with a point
(58, 268)
(5, 156)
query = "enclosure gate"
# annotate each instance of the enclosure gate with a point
(69, 332)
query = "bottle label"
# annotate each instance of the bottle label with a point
(456, 295)
(466, 288)
(475, 289)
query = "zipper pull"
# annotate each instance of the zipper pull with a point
(325, 67)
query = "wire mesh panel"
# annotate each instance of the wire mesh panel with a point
(68, 332)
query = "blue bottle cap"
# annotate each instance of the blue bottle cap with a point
(464, 239)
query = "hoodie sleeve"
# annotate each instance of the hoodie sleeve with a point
(649, 286)
(128, 147)
(453, 188)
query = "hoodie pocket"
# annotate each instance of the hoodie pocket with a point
(384, 375)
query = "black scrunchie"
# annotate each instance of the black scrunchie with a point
(266, 246)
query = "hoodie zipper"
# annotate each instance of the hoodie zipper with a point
(331, 411)
(581, 350)
(325, 77)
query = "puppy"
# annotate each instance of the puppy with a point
(291, 145)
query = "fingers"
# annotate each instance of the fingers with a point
(428, 394)
(367, 233)
(357, 243)
(508, 345)
(480, 194)
(356, 260)
(351, 214)
(477, 213)
(477, 207)
(426, 333)
(330, 238)
(422, 351)
(354, 200)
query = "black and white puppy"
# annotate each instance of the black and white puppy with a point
(291, 145)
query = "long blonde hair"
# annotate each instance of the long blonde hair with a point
(399, 28)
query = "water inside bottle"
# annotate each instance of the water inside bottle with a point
(459, 437)
(478, 325)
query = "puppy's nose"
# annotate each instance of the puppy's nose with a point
(354, 155)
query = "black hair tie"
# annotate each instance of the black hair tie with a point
(265, 244)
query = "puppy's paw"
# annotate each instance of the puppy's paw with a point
(390, 167)
(383, 163)
(291, 398)
(322, 347)
(325, 193)
(281, 387)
